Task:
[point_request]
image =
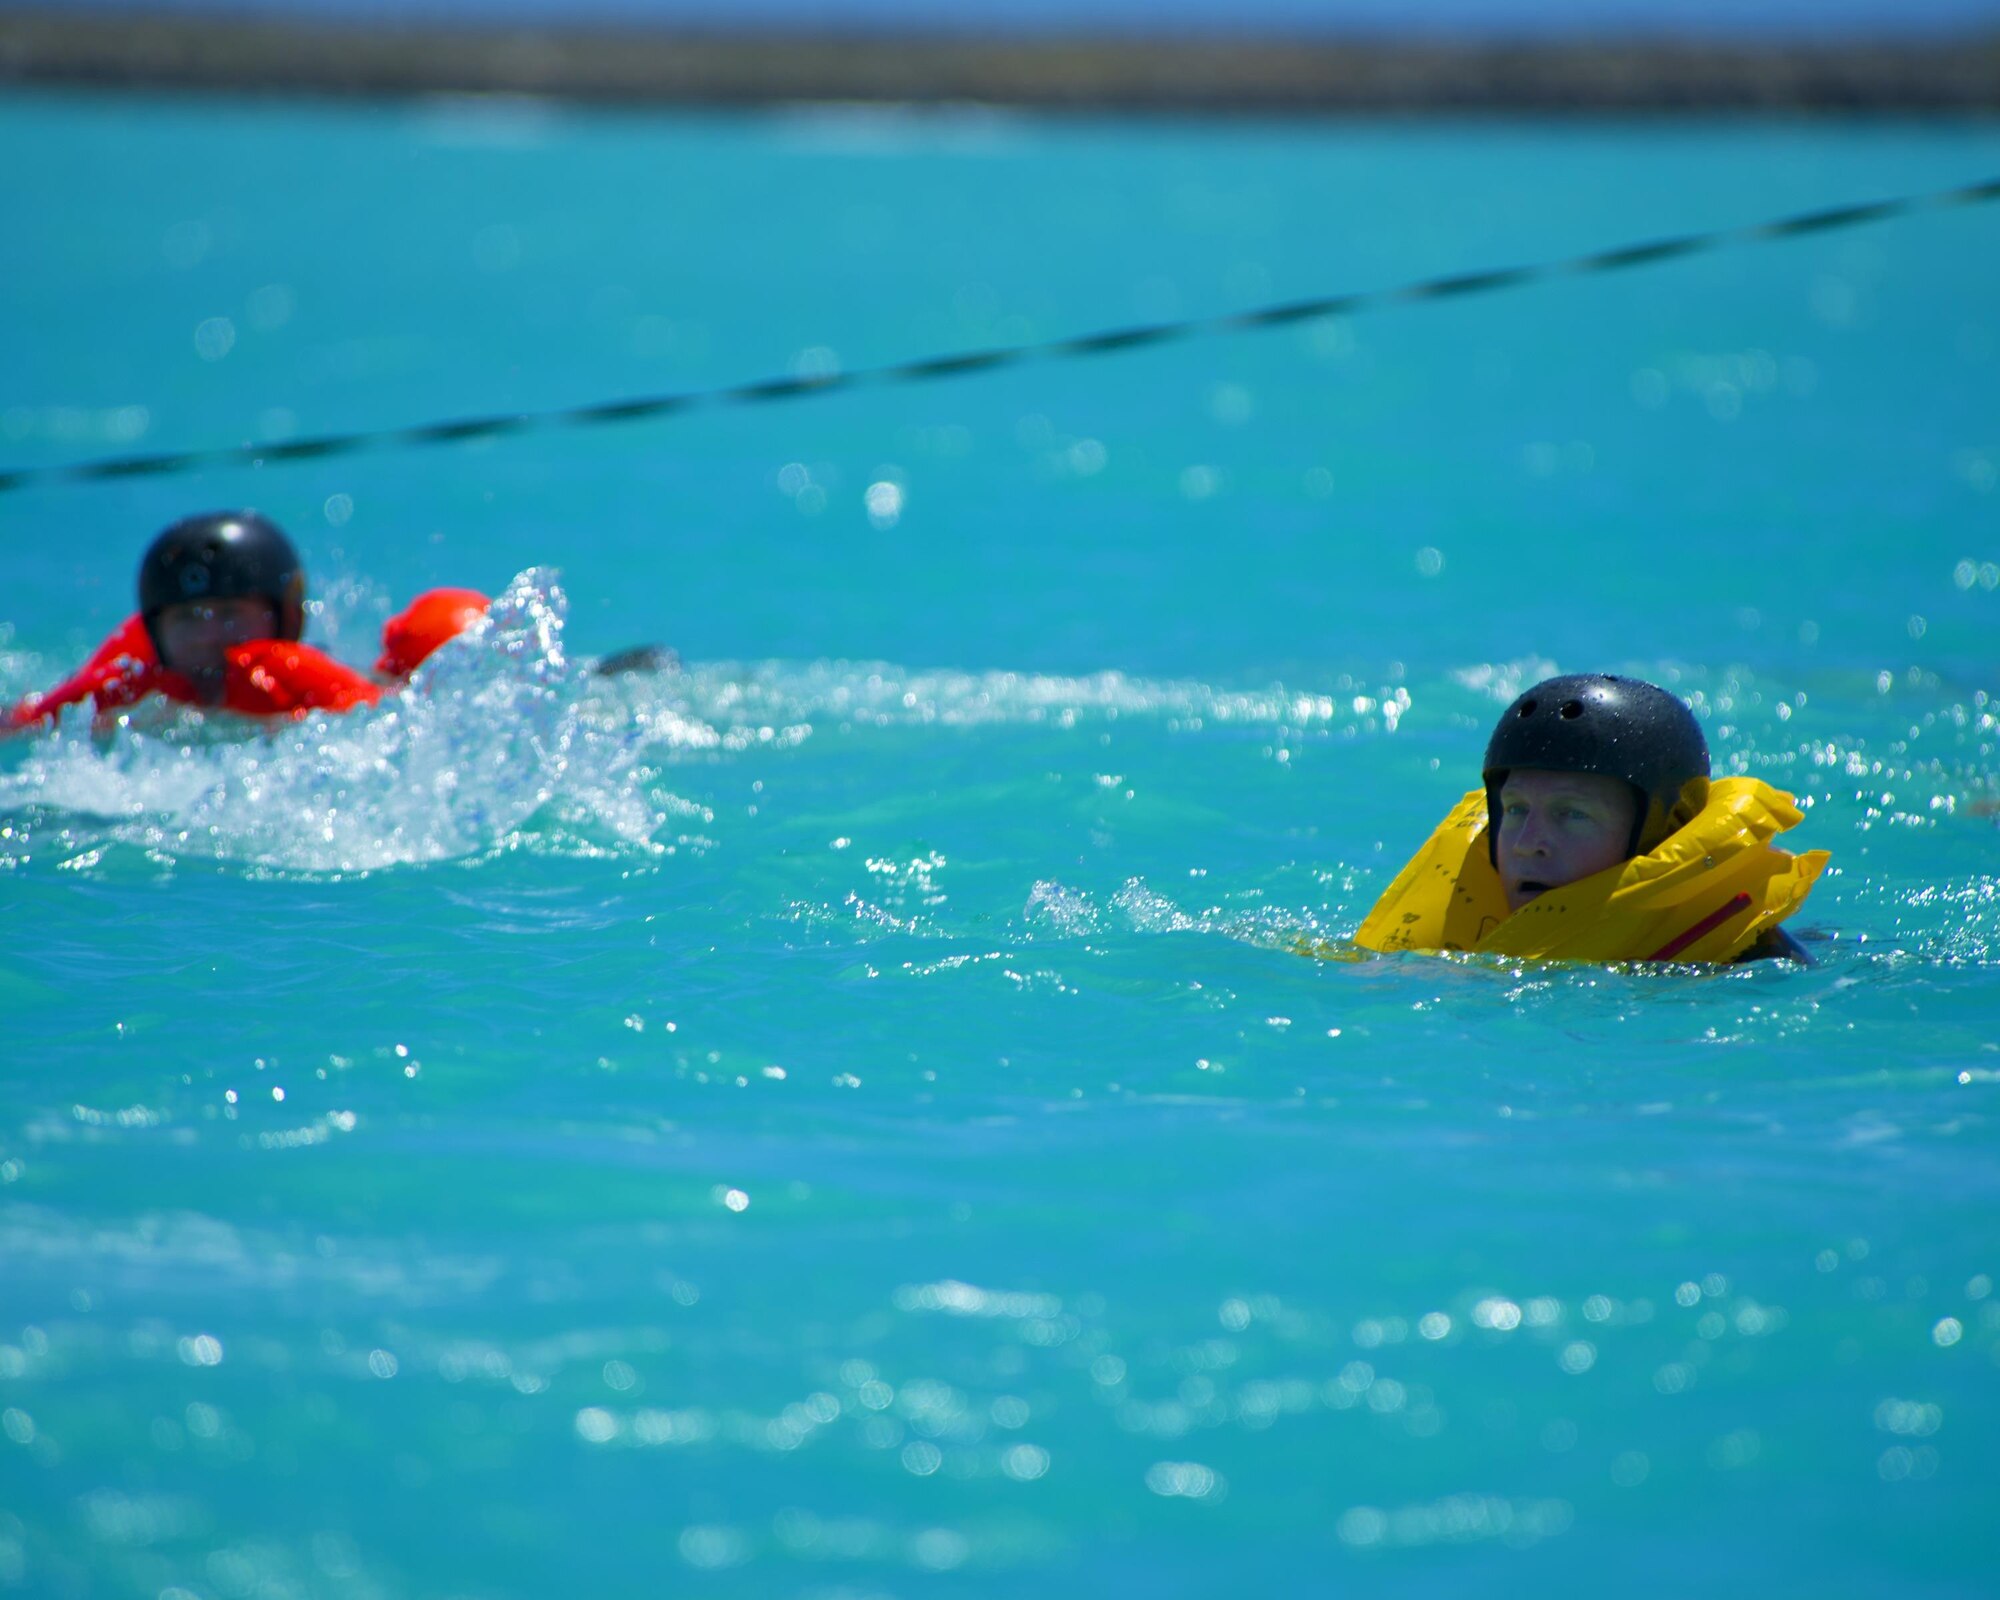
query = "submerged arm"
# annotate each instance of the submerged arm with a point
(1775, 944)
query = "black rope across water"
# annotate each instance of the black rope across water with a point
(641, 407)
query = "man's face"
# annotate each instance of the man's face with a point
(194, 637)
(1557, 827)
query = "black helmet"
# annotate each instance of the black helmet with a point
(1614, 727)
(224, 555)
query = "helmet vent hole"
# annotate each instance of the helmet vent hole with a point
(1570, 710)
(1527, 709)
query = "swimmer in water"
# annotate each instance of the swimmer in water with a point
(221, 608)
(1599, 835)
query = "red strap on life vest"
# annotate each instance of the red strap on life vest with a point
(1708, 924)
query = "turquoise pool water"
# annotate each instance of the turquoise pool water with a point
(844, 1119)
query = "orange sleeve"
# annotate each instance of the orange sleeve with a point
(273, 677)
(120, 671)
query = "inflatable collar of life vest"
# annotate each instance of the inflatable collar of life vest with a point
(274, 677)
(429, 622)
(263, 678)
(1707, 893)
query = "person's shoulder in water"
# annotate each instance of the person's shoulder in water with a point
(438, 616)
(425, 626)
(1598, 834)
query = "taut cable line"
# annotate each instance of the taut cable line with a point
(932, 368)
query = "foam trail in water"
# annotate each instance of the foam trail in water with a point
(794, 696)
(1069, 913)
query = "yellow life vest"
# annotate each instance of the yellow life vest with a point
(1706, 894)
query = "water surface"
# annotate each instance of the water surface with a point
(846, 1118)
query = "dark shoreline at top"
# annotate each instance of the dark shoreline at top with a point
(1270, 76)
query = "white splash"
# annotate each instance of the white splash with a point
(488, 733)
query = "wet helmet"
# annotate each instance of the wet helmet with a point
(1615, 727)
(224, 555)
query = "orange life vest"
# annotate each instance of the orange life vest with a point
(426, 624)
(264, 678)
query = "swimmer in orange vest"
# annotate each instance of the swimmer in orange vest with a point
(221, 607)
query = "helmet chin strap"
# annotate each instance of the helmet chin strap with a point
(209, 687)
(1642, 817)
(1650, 832)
